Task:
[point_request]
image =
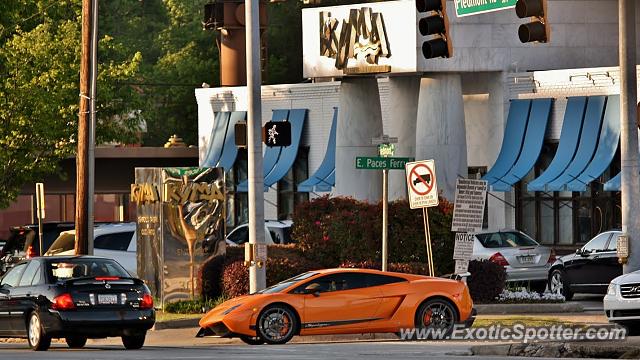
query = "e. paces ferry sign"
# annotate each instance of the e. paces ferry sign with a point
(360, 39)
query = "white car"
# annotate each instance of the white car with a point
(275, 232)
(622, 302)
(114, 241)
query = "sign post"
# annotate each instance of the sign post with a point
(40, 211)
(385, 149)
(468, 215)
(423, 193)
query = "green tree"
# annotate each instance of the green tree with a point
(39, 87)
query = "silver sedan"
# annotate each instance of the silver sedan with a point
(522, 257)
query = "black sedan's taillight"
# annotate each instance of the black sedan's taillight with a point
(63, 302)
(146, 302)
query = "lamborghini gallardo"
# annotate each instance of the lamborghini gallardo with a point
(341, 301)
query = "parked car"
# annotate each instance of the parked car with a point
(75, 298)
(523, 258)
(24, 242)
(590, 269)
(622, 302)
(342, 301)
(115, 241)
(275, 232)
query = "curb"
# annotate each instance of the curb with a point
(510, 309)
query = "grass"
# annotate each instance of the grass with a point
(528, 320)
(164, 316)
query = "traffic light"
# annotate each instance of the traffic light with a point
(435, 24)
(277, 133)
(538, 29)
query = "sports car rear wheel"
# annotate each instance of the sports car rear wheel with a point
(252, 340)
(437, 317)
(276, 324)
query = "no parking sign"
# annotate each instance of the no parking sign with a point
(421, 184)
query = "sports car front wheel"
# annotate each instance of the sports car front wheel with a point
(276, 324)
(436, 318)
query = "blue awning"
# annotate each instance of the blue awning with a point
(569, 137)
(222, 150)
(512, 140)
(607, 146)
(615, 184)
(587, 145)
(324, 177)
(216, 140)
(278, 160)
(534, 137)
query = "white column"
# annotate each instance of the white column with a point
(440, 129)
(359, 120)
(403, 100)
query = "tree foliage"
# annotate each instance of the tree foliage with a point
(39, 90)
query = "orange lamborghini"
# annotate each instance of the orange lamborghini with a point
(341, 301)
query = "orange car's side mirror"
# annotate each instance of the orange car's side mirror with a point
(312, 289)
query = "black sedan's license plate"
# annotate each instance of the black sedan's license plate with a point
(107, 299)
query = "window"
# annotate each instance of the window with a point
(287, 283)
(377, 280)
(30, 273)
(335, 282)
(288, 196)
(613, 243)
(115, 241)
(598, 243)
(13, 276)
(512, 239)
(240, 235)
(73, 268)
(64, 242)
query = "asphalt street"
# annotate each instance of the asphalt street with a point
(334, 351)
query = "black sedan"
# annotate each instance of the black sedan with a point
(75, 298)
(589, 270)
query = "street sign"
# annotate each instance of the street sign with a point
(463, 249)
(381, 163)
(468, 210)
(462, 266)
(475, 7)
(421, 184)
(386, 150)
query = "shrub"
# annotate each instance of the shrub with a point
(196, 306)
(487, 280)
(284, 261)
(235, 279)
(331, 231)
(407, 268)
(209, 275)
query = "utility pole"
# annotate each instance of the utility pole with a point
(257, 271)
(630, 190)
(86, 132)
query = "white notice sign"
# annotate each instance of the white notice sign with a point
(463, 246)
(468, 210)
(462, 266)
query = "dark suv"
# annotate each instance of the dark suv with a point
(24, 242)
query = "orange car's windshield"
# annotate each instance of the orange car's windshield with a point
(285, 284)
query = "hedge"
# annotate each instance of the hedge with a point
(331, 231)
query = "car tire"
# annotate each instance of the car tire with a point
(252, 340)
(76, 342)
(36, 337)
(440, 315)
(277, 324)
(133, 342)
(632, 329)
(559, 285)
(538, 286)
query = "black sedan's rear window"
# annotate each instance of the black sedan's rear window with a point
(73, 268)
